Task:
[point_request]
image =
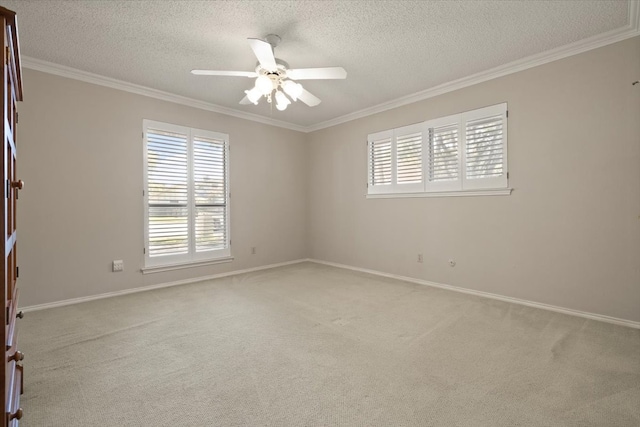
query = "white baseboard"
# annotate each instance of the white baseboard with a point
(563, 310)
(569, 311)
(158, 286)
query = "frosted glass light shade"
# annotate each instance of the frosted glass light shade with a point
(281, 101)
(253, 95)
(293, 89)
(264, 85)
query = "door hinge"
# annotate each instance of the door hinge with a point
(507, 175)
(17, 272)
(507, 114)
(8, 54)
(8, 192)
(144, 250)
(17, 115)
(6, 316)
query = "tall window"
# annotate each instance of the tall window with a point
(462, 152)
(186, 194)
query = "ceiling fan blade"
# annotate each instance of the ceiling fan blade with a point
(245, 101)
(224, 73)
(317, 73)
(308, 98)
(264, 53)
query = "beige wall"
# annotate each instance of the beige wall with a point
(80, 155)
(569, 235)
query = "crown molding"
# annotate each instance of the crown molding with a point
(72, 73)
(632, 29)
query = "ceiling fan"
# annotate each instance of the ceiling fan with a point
(274, 79)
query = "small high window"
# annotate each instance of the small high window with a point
(462, 152)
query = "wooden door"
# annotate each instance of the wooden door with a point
(11, 93)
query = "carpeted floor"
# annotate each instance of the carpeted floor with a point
(311, 345)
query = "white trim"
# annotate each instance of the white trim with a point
(73, 73)
(548, 307)
(634, 16)
(182, 265)
(158, 286)
(454, 193)
(630, 30)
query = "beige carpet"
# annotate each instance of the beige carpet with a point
(310, 345)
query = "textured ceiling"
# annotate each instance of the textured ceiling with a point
(389, 49)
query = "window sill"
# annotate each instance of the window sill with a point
(465, 193)
(183, 265)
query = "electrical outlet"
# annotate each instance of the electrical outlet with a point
(419, 257)
(118, 265)
(253, 250)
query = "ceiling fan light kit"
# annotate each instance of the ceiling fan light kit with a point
(274, 79)
(264, 84)
(253, 95)
(293, 89)
(272, 85)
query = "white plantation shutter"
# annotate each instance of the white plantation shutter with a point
(380, 162)
(409, 158)
(444, 155)
(408, 143)
(395, 160)
(485, 148)
(186, 194)
(168, 193)
(210, 186)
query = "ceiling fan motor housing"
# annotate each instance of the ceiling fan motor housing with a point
(273, 39)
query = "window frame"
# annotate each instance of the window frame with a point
(462, 186)
(192, 257)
